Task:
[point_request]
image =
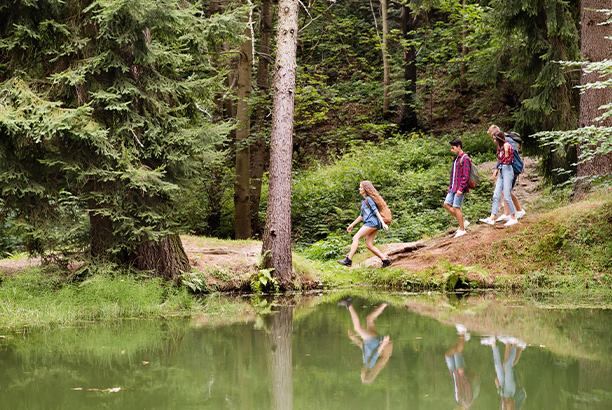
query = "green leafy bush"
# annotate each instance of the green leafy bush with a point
(333, 247)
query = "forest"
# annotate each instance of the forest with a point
(127, 123)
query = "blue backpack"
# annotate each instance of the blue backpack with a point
(517, 163)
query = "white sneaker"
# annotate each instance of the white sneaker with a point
(511, 222)
(505, 340)
(459, 233)
(462, 331)
(504, 218)
(465, 224)
(487, 340)
(520, 214)
(488, 221)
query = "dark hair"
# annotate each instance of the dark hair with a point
(457, 143)
(500, 138)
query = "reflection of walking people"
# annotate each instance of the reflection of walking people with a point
(505, 175)
(376, 350)
(466, 384)
(371, 207)
(511, 398)
(460, 173)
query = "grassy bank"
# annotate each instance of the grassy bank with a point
(564, 249)
(562, 253)
(39, 296)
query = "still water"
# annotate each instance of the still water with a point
(369, 352)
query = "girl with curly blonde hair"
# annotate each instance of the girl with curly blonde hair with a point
(371, 208)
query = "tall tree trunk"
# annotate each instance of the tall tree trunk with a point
(277, 235)
(594, 47)
(408, 120)
(100, 232)
(258, 148)
(385, 56)
(280, 359)
(166, 258)
(242, 209)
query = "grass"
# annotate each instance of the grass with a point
(38, 297)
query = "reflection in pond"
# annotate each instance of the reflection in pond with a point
(511, 397)
(280, 360)
(299, 357)
(466, 383)
(372, 345)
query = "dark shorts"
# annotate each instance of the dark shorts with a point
(372, 225)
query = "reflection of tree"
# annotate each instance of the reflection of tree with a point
(279, 359)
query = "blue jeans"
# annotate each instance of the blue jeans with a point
(504, 182)
(504, 372)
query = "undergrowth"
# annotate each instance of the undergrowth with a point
(38, 296)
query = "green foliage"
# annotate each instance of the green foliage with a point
(103, 117)
(262, 279)
(333, 247)
(42, 297)
(536, 35)
(195, 281)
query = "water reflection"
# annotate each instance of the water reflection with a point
(466, 384)
(298, 356)
(511, 393)
(375, 349)
(280, 359)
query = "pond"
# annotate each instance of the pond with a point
(321, 352)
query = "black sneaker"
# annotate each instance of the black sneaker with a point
(346, 302)
(346, 262)
(386, 262)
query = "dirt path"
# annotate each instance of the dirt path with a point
(241, 259)
(415, 256)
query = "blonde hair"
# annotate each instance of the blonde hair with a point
(492, 129)
(373, 193)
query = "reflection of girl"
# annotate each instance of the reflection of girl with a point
(372, 222)
(511, 398)
(376, 349)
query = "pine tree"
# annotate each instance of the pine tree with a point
(105, 102)
(538, 34)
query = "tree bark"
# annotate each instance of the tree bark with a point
(594, 47)
(385, 57)
(408, 121)
(280, 359)
(100, 235)
(242, 209)
(259, 148)
(166, 258)
(277, 235)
